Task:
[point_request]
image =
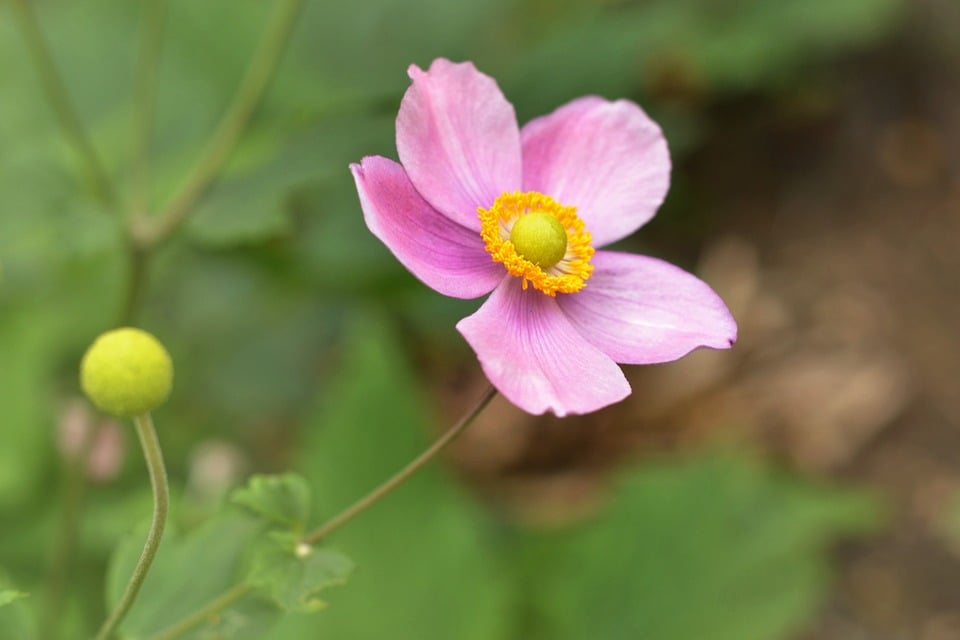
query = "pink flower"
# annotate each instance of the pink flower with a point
(480, 205)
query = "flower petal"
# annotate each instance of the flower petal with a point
(443, 254)
(641, 310)
(608, 159)
(458, 139)
(534, 356)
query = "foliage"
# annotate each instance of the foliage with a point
(256, 550)
(711, 547)
(15, 619)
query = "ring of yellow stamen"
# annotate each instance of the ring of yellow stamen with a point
(569, 274)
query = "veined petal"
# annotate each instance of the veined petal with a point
(443, 254)
(607, 159)
(641, 310)
(536, 358)
(458, 139)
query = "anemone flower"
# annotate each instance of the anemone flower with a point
(479, 205)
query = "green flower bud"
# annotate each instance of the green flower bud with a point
(126, 372)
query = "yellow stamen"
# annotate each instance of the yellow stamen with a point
(569, 274)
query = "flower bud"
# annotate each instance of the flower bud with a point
(126, 372)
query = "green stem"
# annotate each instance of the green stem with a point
(59, 99)
(161, 503)
(234, 122)
(198, 617)
(238, 591)
(392, 483)
(136, 282)
(145, 96)
(74, 492)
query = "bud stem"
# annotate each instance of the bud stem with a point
(234, 123)
(161, 503)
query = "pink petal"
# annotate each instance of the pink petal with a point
(641, 310)
(608, 159)
(534, 356)
(458, 140)
(444, 255)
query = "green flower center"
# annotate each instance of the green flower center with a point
(540, 238)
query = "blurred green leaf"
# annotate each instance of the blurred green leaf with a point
(8, 595)
(292, 573)
(189, 572)
(247, 337)
(28, 355)
(713, 547)
(279, 500)
(16, 619)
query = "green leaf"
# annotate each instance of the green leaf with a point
(189, 572)
(279, 500)
(292, 573)
(9, 595)
(712, 547)
(16, 619)
(24, 374)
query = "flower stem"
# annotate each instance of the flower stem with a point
(361, 505)
(59, 99)
(234, 122)
(145, 96)
(238, 591)
(161, 503)
(74, 493)
(137, 258)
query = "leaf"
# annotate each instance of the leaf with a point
(279, 500)
(189, 572)
(31, 340)
(292, 573)
(9, 595)
(16, 619)
(236, 547)
(712, 547)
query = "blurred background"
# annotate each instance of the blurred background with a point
(803, 486)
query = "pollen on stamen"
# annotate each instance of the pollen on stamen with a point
(569, 274)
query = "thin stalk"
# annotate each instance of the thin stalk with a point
(234, 123)
(74, 493)
(238, 591)
(145, 97)
(59, 99)
(161, 504)
(136, 283)
(361, 505)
